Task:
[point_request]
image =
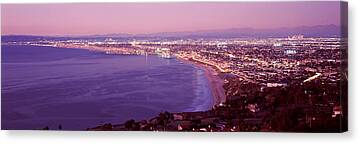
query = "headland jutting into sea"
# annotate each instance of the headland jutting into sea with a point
(293, 84)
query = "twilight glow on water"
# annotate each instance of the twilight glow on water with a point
(78, 89)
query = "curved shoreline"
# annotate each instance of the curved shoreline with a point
(214, 80)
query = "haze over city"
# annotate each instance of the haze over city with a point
(200, 67)
(142, 18)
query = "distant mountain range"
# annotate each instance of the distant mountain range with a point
(307, 31)
(313, 31)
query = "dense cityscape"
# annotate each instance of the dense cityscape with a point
(293, 84)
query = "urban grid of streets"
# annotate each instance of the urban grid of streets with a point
(260, 76)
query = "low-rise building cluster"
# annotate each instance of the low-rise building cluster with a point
(275, 84)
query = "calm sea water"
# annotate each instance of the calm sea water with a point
(78, 89)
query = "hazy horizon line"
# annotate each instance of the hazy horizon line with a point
(163, 32)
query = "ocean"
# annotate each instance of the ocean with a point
(78, 89)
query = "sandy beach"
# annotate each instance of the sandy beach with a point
(215, 82)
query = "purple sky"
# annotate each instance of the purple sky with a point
(135, 18)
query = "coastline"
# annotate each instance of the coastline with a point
(183, 121)
(214, 80)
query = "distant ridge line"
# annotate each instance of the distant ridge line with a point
(308, 31)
